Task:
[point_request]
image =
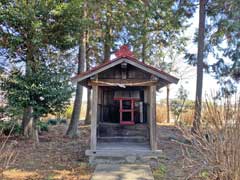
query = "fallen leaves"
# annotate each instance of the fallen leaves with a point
(55, 158)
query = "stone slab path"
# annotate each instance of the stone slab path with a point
(122, 172)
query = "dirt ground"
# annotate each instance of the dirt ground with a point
(56, 157)
(60, 158)
(172, 165)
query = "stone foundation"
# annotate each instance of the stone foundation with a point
(121, 156)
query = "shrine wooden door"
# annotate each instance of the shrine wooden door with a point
(126, 110)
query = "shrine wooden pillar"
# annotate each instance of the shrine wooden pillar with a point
(94, 117)
(152, 117)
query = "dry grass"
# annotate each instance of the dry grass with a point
(185, 117)
(78, 173)
(161, 113)
(214, 151)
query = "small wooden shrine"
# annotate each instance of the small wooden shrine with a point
(123, 118)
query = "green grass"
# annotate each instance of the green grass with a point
(204, 175)
(160, 172)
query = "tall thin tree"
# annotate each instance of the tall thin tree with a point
(73, 126)
(88, 111)
(200, 56)
(107, 34)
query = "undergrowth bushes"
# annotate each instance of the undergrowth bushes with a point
(10, 127)
(52, 122)
(56, 121)
(14, 128)
(214, 153)
(42, 126)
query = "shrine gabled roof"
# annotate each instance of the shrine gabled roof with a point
(125, 55)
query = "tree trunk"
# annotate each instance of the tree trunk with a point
(88, 113)
(26, 121)
(198, 100)
(107, 37)
(27, 114)
(167, 103)
(144, 37)
(144, 50)
(73, 126)
(35, 130)
(107, 46)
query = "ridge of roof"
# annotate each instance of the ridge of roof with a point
(116, 59)
(123, 53)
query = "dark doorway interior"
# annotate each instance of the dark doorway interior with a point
(125, 106)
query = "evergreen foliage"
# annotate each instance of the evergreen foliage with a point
(47, 90)
(222, 43)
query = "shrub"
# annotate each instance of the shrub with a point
(2, 112)
(56, 121)
(43, 126)
(10, 127)
(52, 122)
(214, 153)
(62, 121)
(68, 112)
(160, 172)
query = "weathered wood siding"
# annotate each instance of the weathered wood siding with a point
(130, 72)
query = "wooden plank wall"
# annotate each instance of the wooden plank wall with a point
(130, 72)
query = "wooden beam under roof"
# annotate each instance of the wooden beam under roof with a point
(122, 83)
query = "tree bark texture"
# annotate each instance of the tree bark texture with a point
(200, 56)
(88, 111)
(144, 51)
(26, 122)
(107, 47)
(35, 130)
(107, 37)
(73, 126)
(27, 114)
(144, 35)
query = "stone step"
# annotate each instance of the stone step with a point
(106, 130)
(117, 125)
(122, 171)
(124, 153)
(138, 139)
(116, 156)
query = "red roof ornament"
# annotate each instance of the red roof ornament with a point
(124, 51)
